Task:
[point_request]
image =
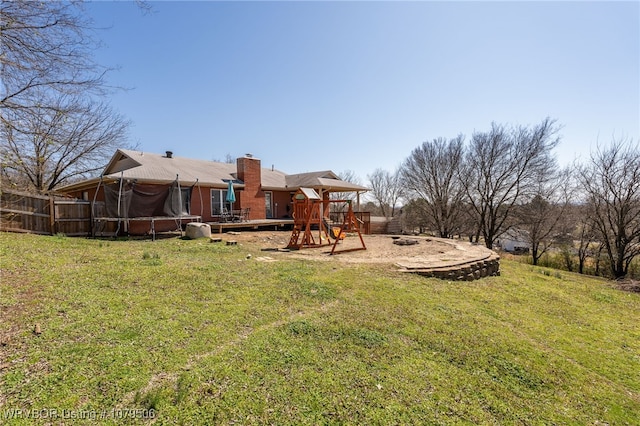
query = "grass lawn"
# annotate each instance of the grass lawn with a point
(189, 332)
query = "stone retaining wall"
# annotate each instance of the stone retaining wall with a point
(465, 272)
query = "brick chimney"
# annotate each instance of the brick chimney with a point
(250, 172)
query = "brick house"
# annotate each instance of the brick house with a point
(141, 185)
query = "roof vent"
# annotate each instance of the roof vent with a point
(169, 154)
(249, 155)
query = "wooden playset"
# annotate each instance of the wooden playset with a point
(310, 225)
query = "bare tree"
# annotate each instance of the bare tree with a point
(431, 173)
(53, 131)
(46, 47)
(386, 189)
(347, 176)
(415, 215)
(611, 181)
(372, 208)
(228, 159)
(542, 217)
(469, 225)
(585, 235)
(501, 170)
(53, 146)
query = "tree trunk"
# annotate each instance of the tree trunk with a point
(534, 254)
(619, 271)
(598, 256)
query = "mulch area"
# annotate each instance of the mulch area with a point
(380, 248)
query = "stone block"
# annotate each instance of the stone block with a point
(198, 230)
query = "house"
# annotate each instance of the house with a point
(515, 241)
(146, 189)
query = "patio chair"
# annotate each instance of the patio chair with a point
(245, 214)
(226, 215)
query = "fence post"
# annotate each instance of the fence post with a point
(52, 215)
(92, 232)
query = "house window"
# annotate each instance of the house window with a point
(218, 201)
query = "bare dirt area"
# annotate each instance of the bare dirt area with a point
(379, 249)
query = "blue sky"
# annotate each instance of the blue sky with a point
(308, 86)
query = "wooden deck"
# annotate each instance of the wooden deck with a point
(273, 224)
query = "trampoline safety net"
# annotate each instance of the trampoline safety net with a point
(138, 200)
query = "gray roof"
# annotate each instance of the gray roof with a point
(157, 168)
(326, 180)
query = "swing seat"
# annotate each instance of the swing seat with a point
(337, 234)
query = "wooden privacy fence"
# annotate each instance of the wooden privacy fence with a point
(41, 214)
